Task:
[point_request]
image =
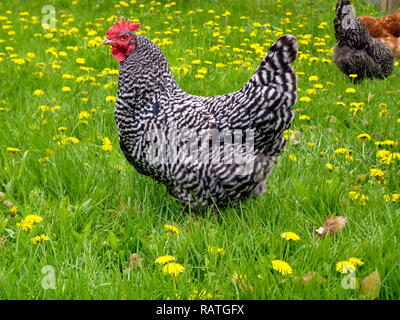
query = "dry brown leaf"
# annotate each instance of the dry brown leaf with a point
(135, 261)
(362, 179)
(295, 136)
(332, 119)
(310, 127)
(7, 203)
(2, 196)
(331, 225)
(310, 277)
(371, 286)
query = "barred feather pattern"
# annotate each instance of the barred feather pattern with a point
(356, 51)
(150, 100)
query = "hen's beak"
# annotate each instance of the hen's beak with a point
(107, 42)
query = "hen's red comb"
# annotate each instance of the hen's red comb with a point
(123, 26)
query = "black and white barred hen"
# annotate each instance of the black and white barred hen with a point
(356, 51)
(206, 150)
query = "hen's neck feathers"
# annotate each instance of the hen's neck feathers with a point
(145, 74)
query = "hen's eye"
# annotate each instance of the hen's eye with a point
(124, 37)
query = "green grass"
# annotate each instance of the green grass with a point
(96, 216)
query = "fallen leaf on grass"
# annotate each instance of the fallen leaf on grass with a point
(7, 203)
(136, 261)
(308, 278)
(371, 286)
(313, 276)
(331, 225)
(4, 201)
(362, 178)
(295, 136)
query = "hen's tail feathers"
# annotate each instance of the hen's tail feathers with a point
(346, 18)
(276, 71)
(282, 53)
(343, 8)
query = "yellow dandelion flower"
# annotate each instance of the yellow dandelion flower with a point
(350, 90)
(395, 197)
(290, 236)
(84, 115)
(329, 166)
(110, 99)
(389, 143)
(345, 267)
(239, 276)
(363, 137)
(305, 99)
(33, 218)
(173, 268)
(165, 259)
(80, 60)
(282, 267)
(220, 251)
(304, 117)
(65, 89)
(356, 262)
(373, 172)
(171, 228)
(25, 225)
(40, 238)
(68, 76)
(106, 146)
(13, 210)
(200, 295)
(363, 200)
(38, 92)
(382, 154)
(343, 151)
(13, 150)
(43, 160)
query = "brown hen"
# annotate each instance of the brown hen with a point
(386, 29)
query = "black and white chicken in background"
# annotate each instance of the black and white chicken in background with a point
(356, 52)
(169, 135)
